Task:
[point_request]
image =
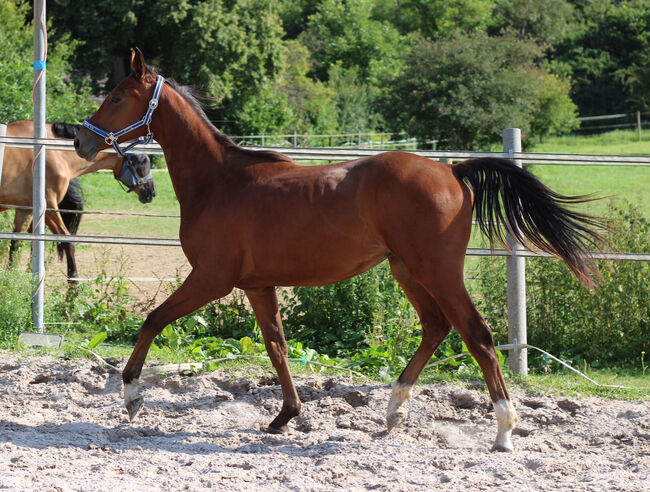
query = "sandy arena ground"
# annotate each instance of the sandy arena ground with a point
(63, 427)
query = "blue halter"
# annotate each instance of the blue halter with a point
(111, 138)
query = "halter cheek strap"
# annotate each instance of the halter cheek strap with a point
(111, 138)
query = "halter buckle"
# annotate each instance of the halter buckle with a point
(153, 104)
(110, 138)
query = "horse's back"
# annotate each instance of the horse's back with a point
(349, 215)
(17, 174)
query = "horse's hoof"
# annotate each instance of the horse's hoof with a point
(134, 407)
(396, 418)
(503, 447)
(272, 429)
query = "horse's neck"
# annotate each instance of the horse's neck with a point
(79, 166)
(195, 158)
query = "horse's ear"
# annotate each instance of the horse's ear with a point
(138, 65)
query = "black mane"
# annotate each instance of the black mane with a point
(65, 130)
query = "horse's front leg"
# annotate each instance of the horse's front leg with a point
(265, 305)
(197, 290)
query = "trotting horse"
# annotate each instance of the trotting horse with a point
(134, 170)
(256, 220)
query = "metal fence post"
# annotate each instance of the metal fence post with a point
(516, 274)
(38, 194)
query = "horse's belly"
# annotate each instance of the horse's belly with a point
(310, 265)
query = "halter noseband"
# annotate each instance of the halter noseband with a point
(111, 138)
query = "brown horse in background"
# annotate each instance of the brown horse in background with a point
(256, 220)
(61, 167)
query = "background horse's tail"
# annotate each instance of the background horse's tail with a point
(508, 196)
(73, 200)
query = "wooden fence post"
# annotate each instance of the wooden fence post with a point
(516, 275)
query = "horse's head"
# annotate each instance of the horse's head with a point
(135, 173)
(121, 114)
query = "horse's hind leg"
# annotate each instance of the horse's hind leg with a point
(435, 327)
(265, 305)
(445, 283)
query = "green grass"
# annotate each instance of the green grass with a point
(619, 142)
(104, 194)
(615, 184)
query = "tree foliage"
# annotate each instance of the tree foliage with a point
(609, 37)
(465, 90)
(327, 65)
(64, 101)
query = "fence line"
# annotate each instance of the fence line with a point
(91, 212)
(337, 153)
(153, 241)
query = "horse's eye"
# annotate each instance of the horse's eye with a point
(115, 99)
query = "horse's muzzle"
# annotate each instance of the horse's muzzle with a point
(85, 146)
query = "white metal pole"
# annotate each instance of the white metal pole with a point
(38, 194)
(3, 133)
(516, 274)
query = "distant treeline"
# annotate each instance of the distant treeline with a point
(457, 71)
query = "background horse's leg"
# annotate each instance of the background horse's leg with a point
(196, 291)
(54, 222)
(265, 305)
(19, 221)
(445, 283)
(435, 327)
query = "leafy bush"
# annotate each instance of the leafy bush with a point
(349, 316)
(611, 325)
(105, 307)
(15, 305)
(230, 317)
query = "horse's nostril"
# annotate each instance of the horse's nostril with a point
(76, 143)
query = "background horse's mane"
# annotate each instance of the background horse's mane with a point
(65, 130)
(189, 94)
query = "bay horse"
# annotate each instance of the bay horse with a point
(61, 167)
(256, 220)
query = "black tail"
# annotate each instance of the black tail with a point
(73, 200)
(508, 196)
(65, 130)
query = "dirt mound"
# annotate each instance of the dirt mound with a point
(63, 427)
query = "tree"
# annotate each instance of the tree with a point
(345, 32)
(103, 30)
(613, 36)
(228, 47)
(636, 81)
(434, 18)
(311, 100)
(64, 102)
(547, 21)
(465, 90)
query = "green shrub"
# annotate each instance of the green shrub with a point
(608, 326)
(227, 318)
(15, 305)
(350, 316)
